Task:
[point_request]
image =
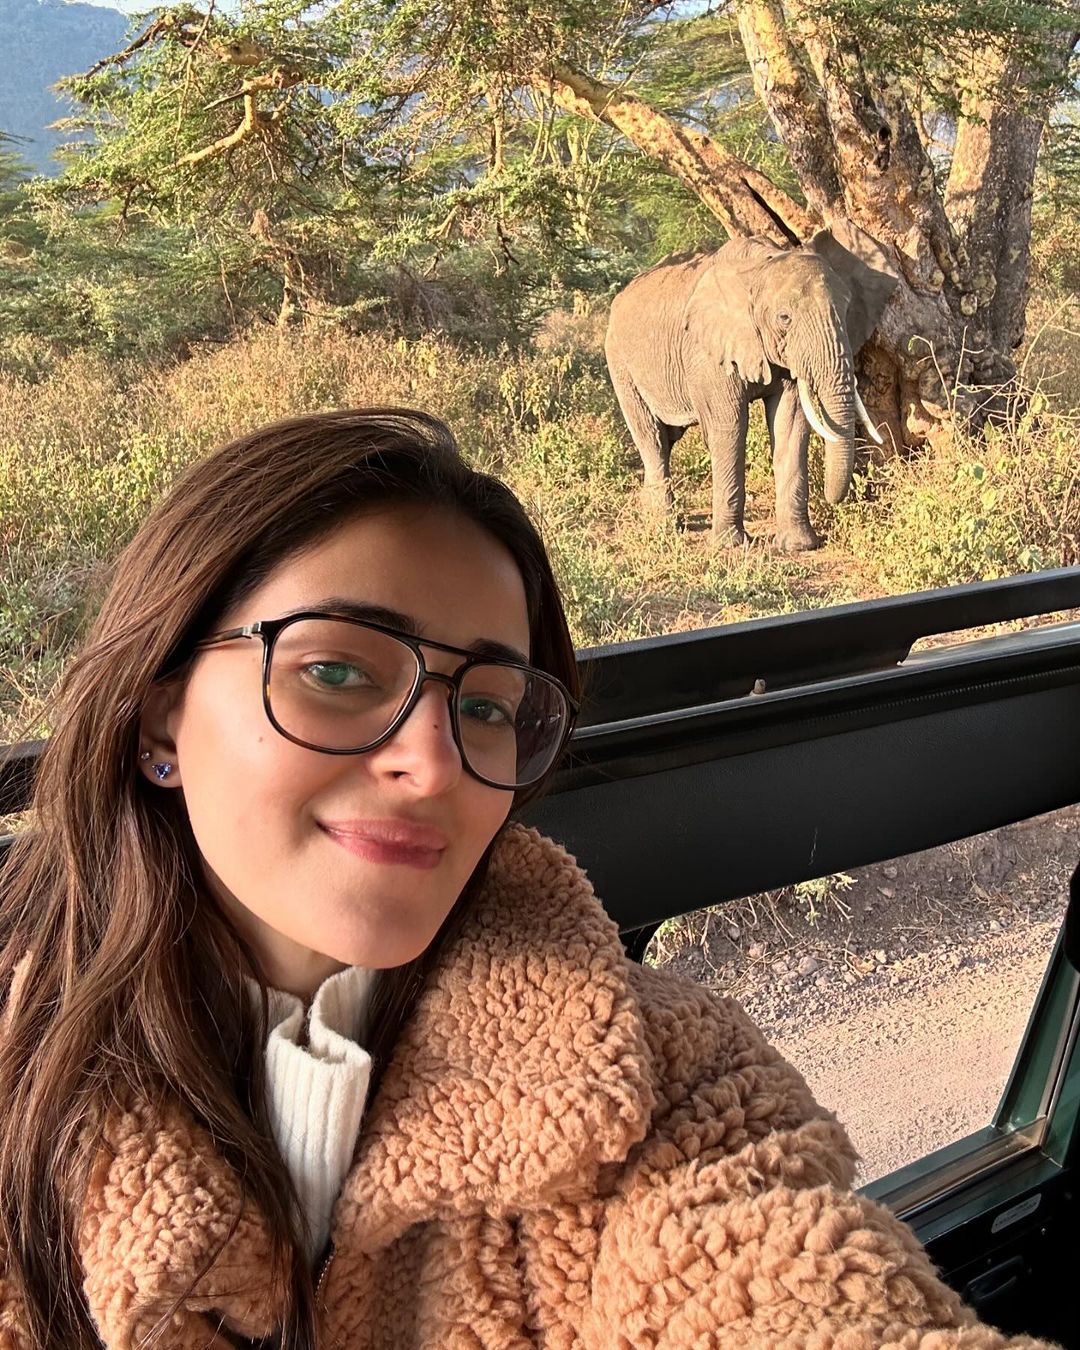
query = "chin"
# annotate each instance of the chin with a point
(384, 947)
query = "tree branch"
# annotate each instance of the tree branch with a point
(744, 200)
(797, 110)
(173, 21)
(248, 124)
(253, 120)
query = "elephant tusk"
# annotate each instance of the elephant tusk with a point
(812, 417)
(872, 430)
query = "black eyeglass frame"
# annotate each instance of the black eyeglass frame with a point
(269, 630)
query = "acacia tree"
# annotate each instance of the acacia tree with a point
(436, 120)
(920, 123)
(856, 97)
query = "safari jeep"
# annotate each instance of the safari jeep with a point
(723, 763)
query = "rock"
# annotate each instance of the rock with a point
(733, 932)
(757, 951)
(887, 891)
(822, 983)
(780, 967)
(848, 977)
(808, 965)
(890, 872)
(880, 957)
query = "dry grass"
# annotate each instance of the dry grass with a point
(87, 447)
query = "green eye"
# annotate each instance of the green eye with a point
(336, 675)
(485, 711)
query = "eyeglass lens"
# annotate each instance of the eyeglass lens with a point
(339, 686)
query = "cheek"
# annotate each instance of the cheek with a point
(484, 813)
(240, 781)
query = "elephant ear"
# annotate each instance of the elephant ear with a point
(720, 311)
(862, 266)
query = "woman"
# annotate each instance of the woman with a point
(304, 1044)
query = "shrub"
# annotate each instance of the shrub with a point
(972, 509)
(88, 445)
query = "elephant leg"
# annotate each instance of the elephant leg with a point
(724, 431)
(652, 442)
(789, 433)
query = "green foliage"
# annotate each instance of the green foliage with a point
(823, 893)
(85, 283)
(980, 510)
(941, 45)
(383, 134)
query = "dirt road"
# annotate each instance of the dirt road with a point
(926, 1063)
(902, 991)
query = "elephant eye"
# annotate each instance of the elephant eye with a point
(783, 318)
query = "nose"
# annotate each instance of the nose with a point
(422, 751)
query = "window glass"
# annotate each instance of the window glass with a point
(485, 248)
(901, 991)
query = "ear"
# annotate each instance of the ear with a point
(721, 308)
(157, 734)
(862, 267)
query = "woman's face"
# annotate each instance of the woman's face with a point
(295, 841)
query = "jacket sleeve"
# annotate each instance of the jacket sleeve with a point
(734, 1221)
(128, 1255)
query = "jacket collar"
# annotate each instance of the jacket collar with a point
(523, 1069)
(521, 1073)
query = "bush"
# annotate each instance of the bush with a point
(972, 509)
(88, 445)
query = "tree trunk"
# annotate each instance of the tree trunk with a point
(856, 149)
(988, 197)
(285, 259)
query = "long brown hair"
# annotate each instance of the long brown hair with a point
(132, 983)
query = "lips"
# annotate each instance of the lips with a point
(389, 841)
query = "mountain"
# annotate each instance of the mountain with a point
(40, 40)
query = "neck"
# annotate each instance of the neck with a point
(286, 965)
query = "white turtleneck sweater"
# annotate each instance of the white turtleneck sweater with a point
(316, 1083)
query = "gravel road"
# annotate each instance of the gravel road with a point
(925, 1061)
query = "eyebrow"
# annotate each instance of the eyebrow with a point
(394, 618)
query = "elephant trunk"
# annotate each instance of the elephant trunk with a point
(836, 426)
(839, 450)
(827, 379)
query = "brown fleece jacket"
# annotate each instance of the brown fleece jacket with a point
(566, 1150)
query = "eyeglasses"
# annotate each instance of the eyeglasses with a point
(344, 686)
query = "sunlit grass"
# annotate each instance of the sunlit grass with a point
(86, 448)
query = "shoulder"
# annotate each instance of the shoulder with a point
(536, 894)
(676, 269)
(722, 1089)
(709, 1071)
(164, 1216)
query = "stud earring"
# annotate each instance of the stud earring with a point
(162, 771)
(145, 755)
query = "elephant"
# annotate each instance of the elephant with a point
(694, 339)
